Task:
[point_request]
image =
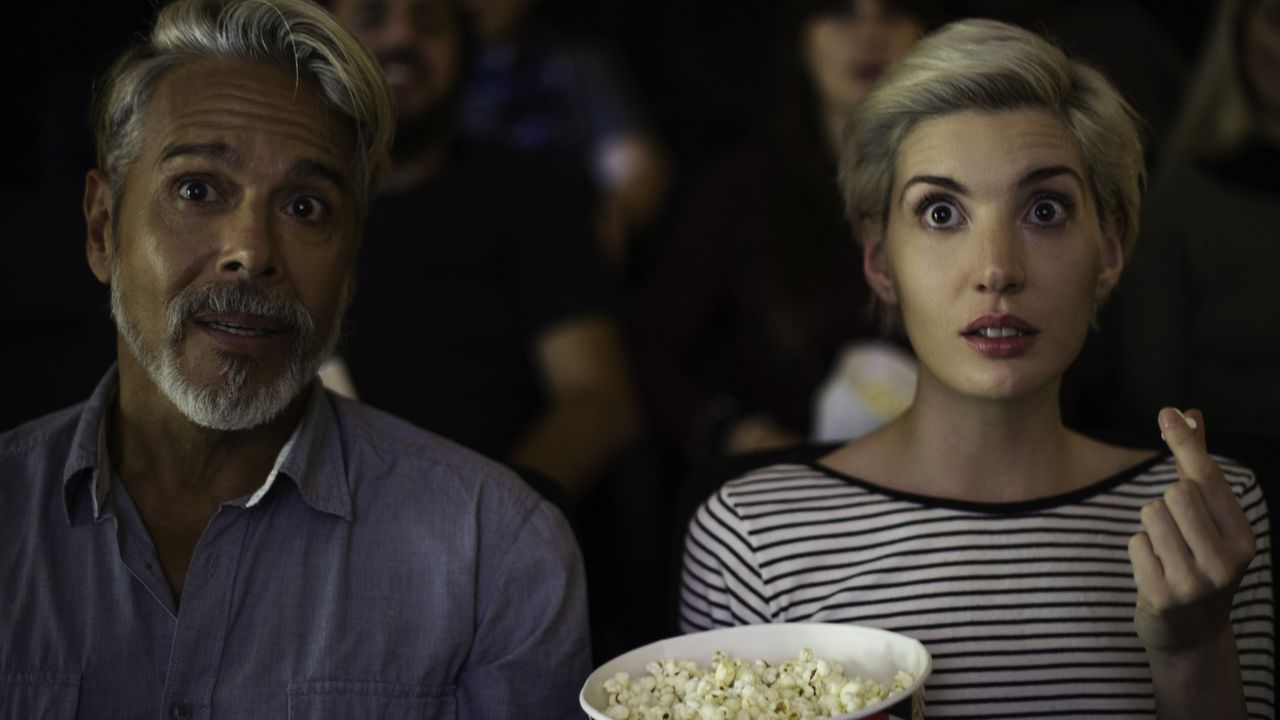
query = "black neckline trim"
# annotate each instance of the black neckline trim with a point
(1005, 508)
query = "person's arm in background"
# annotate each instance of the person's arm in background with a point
(591, 416)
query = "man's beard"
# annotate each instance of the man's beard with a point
(227, 405)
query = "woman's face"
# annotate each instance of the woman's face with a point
(845, 53)
(993, 251)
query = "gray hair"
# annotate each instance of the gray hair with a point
(295, 35)
(989, 66)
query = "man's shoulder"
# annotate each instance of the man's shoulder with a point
(34, 438)
(395, 451)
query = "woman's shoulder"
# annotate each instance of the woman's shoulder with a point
(776, 481)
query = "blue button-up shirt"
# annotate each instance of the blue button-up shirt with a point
(381, 572)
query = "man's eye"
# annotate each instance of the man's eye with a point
(941, 214)
(196, 191)
(306, 207)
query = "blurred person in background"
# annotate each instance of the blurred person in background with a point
(1199, 298)
(540, 89)
(483, 313)
(760, 290)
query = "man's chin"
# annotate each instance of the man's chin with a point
(245, 396)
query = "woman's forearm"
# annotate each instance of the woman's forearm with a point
(1200, 682)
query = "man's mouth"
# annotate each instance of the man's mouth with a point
(242, 324)
(241, 330)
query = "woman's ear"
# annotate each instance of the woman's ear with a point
(99, 244)
(875, 265)
(1111, 261)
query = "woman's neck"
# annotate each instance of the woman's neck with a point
(982, 450)
(950, 446)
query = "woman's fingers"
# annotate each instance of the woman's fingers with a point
(1195, 466)
(1179, 568)
(1195, 546)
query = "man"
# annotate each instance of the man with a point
(483, 314)
(212, 535)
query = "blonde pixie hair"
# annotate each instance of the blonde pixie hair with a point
(295, 35)
(987, 66)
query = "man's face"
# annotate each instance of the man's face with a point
(231, 254)
(417, 43)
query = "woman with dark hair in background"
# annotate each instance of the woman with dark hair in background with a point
(760, 288)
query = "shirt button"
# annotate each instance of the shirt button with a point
(180, 711)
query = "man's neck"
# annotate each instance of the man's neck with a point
(178, 473)
(157, 450)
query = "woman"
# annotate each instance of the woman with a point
(758, 291)
(997, 187)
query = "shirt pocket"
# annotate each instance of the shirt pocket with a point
(361, 700)
(44, 695)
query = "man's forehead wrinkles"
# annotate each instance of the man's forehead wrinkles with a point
(233, 137)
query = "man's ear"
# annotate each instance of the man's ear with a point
(99, 244)
(875, 265)
(1111, 261)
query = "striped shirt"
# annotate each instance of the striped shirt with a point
(1027, 608)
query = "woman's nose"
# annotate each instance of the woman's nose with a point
(1001, 268)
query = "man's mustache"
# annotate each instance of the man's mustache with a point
(244, 298)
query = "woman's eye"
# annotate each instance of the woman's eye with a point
(196, 191)
(306, 207)
(941, 215)
(1048, 212)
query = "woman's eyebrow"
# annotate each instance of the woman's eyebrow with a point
(939, 180)
(1045, 173)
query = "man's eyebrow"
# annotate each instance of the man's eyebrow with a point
(939, 180)
(222, 153)
(312, 168)
(216, 151)
(1045, 173)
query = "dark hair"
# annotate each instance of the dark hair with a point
(806, 224)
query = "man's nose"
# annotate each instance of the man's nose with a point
(249, 246)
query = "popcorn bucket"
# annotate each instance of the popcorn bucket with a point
(865, 652)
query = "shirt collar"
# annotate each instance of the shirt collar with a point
(314, 457)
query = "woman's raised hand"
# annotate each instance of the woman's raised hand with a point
(1195, 548)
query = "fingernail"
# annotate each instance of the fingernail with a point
(1191, 423)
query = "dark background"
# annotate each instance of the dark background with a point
(700, 67)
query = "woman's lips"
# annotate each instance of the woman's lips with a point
(1000, 336)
